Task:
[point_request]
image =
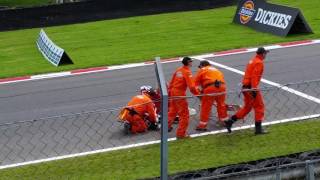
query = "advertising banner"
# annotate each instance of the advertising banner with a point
(271, 18)
(53, 53)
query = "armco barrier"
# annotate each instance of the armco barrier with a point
(93, 10)
(277, 162)
(233, 169)
(53, 53)
(293, 166)
(310, 155)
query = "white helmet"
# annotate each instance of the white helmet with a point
(147, 89)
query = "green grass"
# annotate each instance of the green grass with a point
(184, 155)
(139, 39)
(24, 3)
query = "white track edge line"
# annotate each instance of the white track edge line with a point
(152, 142)
(88, 72)
(50, 75)
(293, 91)
(302, 44)
(16, 81)
(231, 53)
(316, 41)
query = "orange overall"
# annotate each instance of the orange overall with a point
(211, 81)
(182, 78)
(251, 80)
(144, 108)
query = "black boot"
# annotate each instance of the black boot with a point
(176, 120)
(153, 127)
(229, 123)
(126, 128)
(259, 129)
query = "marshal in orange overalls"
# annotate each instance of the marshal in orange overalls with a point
(252, 98)
(252, 94)
(142, 112)
(211, 81)
(182, 78)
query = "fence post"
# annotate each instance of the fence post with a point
(309, 171)
(278, 172)
(164, 119)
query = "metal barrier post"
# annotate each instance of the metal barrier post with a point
(164, 119)
(309, 171)
(278, 172)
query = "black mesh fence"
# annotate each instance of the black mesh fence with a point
(94, 144)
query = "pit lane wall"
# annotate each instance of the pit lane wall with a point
(93, 10)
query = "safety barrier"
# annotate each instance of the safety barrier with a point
(292, 166)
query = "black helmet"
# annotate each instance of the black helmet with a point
(204, 63)
(186, 60)
(261, 50)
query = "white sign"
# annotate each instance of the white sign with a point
(49, 50)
